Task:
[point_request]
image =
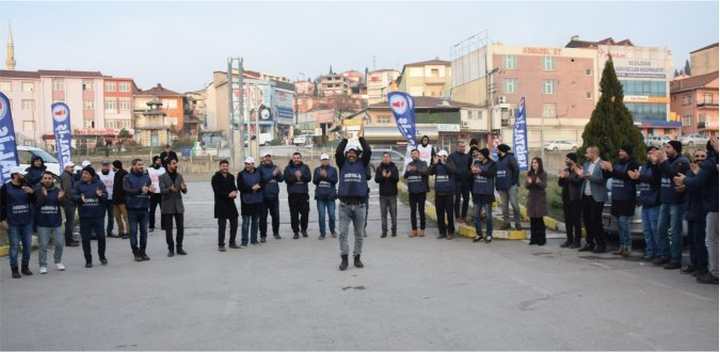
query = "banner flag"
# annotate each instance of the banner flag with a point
(8, 144)
(63, 132)
(402, 106)
(520, 146)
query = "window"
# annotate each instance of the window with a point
(548, 63)
(124, 87)
(510, 62)
(5, 86)
(28, 87)
(111, 105)
(510, 85)
(28, 126)
(124, 105)
(89, 124)
(169, 103)
(549, 110)
(548, 87)
(588, 95)
(58, 85)
(88, 105)
(686, 99)
(88, 86)
(588, 72)
(702, 117)
(434, 72)
(707, 98)
(110, 86)
(686, 120)
(28, 104)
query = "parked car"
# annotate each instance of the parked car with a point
(558, 145)
(26, 153)
(693, 139)
(302, 139)
(656, 141)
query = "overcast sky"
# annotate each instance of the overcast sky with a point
(180, 44)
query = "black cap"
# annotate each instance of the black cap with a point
(572, 156)
(503, 148)
(676, 145)
(485, 152)
(628, 148)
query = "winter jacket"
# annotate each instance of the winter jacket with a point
(222, 186)
(388, 185)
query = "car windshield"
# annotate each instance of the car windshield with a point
(47, 158)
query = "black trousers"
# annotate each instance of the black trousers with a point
(221, 230)
(572, 210)
(69, 210)
(417, 204)
(167, 220)
(299, 211)
(443, 206)
(537, 231)
(592, 217)
(463, 190)
(270, 207)
(155, 200)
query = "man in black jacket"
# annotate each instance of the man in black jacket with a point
(167, 155)
(118, 200)
(461, 159)
(223, 184)
(387, 176)
(444, 171)
(297, 177)
(571, 182)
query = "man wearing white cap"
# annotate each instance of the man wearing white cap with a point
(16, 198)
(251, 198)
(67, 183)
(444, 171)
(325, 178)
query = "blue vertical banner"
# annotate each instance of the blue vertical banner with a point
(63, 132)
(520, 145)
(403, 108)
(8, 144)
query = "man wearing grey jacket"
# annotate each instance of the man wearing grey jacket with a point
(172, 185)
(69, 207)
(594, 195)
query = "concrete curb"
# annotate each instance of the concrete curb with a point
(5, 249)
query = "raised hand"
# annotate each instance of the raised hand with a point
(679, 180)
(98, 192)
(61, 194)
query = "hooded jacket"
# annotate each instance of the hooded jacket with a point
(34, 174)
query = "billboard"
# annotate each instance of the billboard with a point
(282, 106)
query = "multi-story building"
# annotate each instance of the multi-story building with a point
(430, 78)
(305, 88)
(379, 84)
(94, 112)
(704, 60)
(695, 102)
(159, 115)
(333, 84)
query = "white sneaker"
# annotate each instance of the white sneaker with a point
(60, 266)
(43, 270)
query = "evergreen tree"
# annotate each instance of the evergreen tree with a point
(687, 68)
(611, 124)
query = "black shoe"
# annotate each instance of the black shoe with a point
(171, 253)
(125, 236)
(103, 261)
(707, 278)
(233, 246)
(88, 265)
(26, 271)
(277, 237)
(221, 248)
(575, 245)
(296, 236)
(304, 233)
(72, 244)
(181, 251)
(383, 235)
(394, 234)
(143, 255)
(600, 249)
(566, 244)
(661, 261)
(672, 266)
(16, 273)
(358, 263)
(478, 238)
(262, 240)
(152, 229)
(587, 248)
(344, 262)
(689, 269)
(440, 237)
(321, 237)
(518, 227)
(333, 235)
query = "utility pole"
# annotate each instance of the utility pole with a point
(235, 112)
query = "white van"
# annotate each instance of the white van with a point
(26, 153)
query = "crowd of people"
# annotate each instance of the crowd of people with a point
(669, 188)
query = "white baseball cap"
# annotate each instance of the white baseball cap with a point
(324, 156)
(353, 144)
(86, 163)
(442, 153)
(70, 163)
(17, 170)
(249, 160)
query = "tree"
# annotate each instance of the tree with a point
(611, 124)
(686, 70)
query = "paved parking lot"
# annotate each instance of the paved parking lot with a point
(413, 294)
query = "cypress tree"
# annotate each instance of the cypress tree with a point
(611, 124)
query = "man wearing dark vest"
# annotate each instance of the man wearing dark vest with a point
(353, 194)
(623, 196)
(648, 183)
(387, 176)
(416, 176)
(90, 193)
(325, 177)
(461, 159)
(271, 175)
(484, 171)
(672, 208)
(48, 220)
(506, 183)
(251, 197)
(137, 186)
(444, 171)
(297, 177)
(16, 199)
(225, 191)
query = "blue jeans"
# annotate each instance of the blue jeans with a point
(138, 218)
(109, 215)
(670, 231)
(322, 205)
(356, 214)
(624, 231)
(19, 233)
(44, 234)
(250, 223)
(478, 208)
(650, 223)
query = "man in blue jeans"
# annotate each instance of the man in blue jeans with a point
(484, 171)
(325, 178)
(623, 194)
(672, 208)
(16, 198)
(648, 178)
(271, 176)
(251, 198)
(137, 197)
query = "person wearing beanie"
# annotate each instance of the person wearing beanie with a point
(416, 177)
(137, 187)
(445, 174)
(594, 191)
(461, 159)
(648, 183)
(16, 198)
(325, 177)
(118, 200)
(89, 194)
(506, 183)
(155, 171)
(623, 196)
(483, 170)
(672, 208)
(570, 180)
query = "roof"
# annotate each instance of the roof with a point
(429, 62)
(69, 73)
(692, 82)
(705, 47)
(424, 102)
(157, 91)
(577, 43)
(19, 74)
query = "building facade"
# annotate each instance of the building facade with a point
(158, 115)
(333, 84)
(704, 60)
(379, 84)
(430, 78)
(694, 100)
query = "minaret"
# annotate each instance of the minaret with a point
(10, 53)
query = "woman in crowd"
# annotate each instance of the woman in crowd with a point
(536, 201)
